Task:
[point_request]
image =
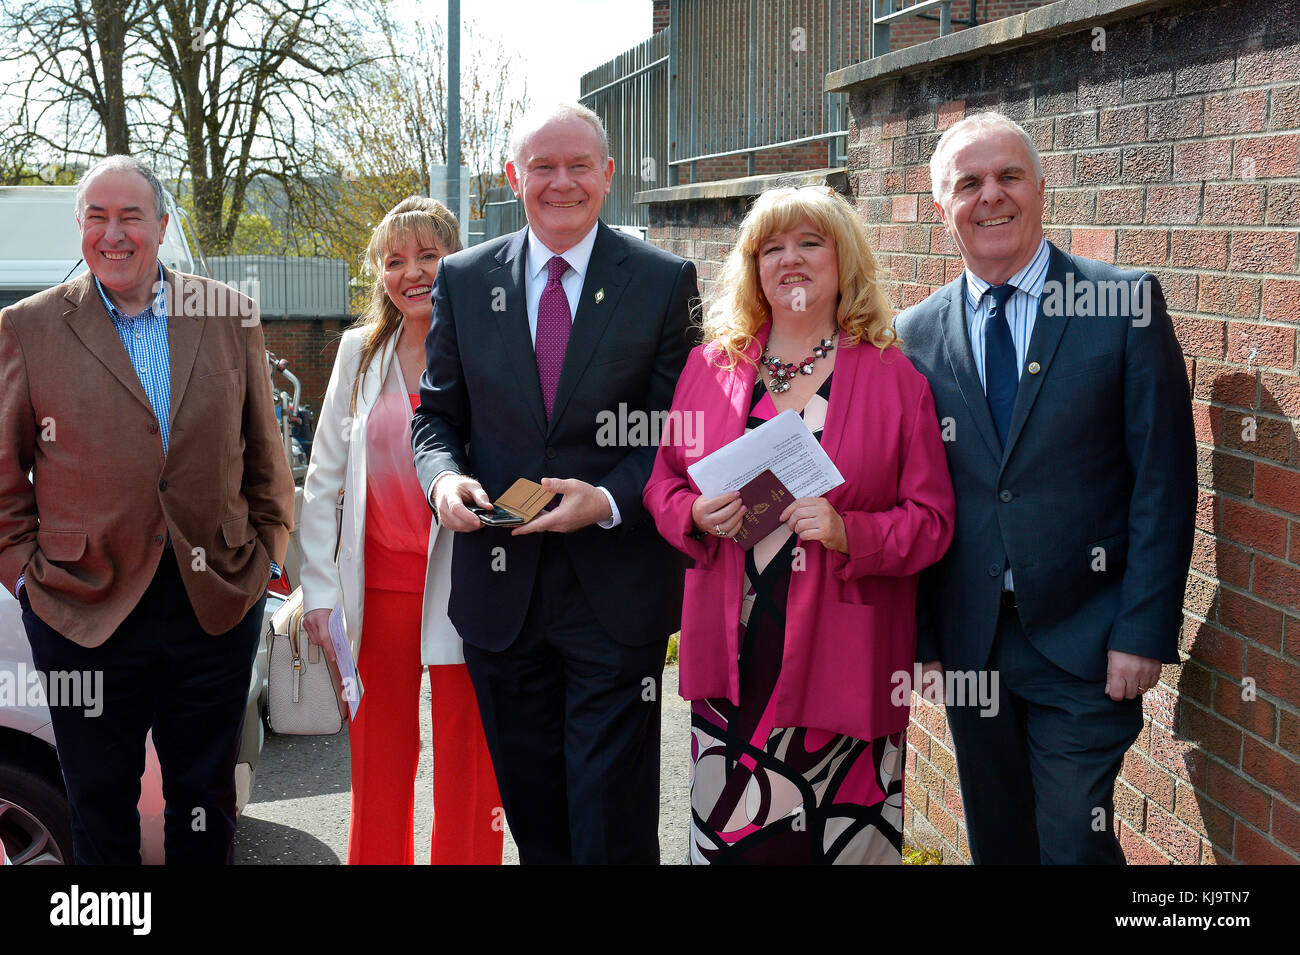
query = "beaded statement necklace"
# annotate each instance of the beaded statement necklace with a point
(780, 375)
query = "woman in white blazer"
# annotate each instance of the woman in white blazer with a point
(389, 567)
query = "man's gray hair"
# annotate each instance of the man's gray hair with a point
(964, 129)
(123, 164)
(534, 121)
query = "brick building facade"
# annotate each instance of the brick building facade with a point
(1173, 145)
(310, 345)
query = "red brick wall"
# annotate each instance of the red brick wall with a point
(803, 156)
(1186, 164)
(309, 344)
(659, 16)
(703, 232)
(1176, 150)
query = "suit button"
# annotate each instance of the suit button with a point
(153, 429)
(995, 569)
(162, 485)
(1005, 497)
(347, 554)
(551, 454)
(157, 538)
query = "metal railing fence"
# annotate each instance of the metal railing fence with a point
(748, 75)
(630, 92)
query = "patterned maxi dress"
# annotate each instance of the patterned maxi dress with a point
(794, 795)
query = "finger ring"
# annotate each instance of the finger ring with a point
(717, 528)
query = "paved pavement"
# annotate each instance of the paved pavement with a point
(298, 812)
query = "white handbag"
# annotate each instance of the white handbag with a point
(303, 686)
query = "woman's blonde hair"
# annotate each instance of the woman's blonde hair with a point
(738, 308)
(430, 224)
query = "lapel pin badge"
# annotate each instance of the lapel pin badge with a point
(1035, 367)
(600, 295)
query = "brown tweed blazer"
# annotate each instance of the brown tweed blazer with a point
(88, 526)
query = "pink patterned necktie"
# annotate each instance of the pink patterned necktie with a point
(554, 321)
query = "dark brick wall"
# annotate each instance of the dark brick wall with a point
(309, 344)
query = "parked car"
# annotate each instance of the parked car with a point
(34, 823)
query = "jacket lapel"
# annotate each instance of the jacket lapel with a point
(605, 273)
(372, 382)
(1042, 348)
(86, 317)
(183, 335)
(729, 404)
(961, 358)
(847, 362)
(516, 339)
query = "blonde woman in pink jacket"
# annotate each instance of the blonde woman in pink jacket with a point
(790, 651)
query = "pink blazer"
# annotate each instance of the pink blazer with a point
(851, 618)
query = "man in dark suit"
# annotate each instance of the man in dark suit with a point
(1064, 403)
(537, 339)
(145, 499)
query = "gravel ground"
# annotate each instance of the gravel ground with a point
(298, 812)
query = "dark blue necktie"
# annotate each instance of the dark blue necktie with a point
(1001, 373)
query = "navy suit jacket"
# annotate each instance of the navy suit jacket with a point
(1093, 499)
(481, 413)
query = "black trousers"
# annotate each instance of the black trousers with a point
(158, 670)
(1038, 778)
(571, 718)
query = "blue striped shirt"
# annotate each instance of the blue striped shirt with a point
(144, 337)
(1022, 309)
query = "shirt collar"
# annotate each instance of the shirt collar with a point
(157, 308)
(578, 257)
(1029, 280)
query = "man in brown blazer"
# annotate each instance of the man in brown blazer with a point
(145, 501)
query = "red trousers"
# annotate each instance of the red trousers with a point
(385, 740)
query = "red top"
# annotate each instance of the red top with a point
(397, 515)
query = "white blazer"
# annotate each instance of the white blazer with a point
(338, 463)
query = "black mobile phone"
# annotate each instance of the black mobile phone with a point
(496, 516)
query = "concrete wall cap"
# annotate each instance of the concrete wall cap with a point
(1054, 19)
(837, 178)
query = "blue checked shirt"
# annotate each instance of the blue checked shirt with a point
(144, 336)
(1022, 310)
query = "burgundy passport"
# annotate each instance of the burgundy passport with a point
(764, 498)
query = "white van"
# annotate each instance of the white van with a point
(40, 244)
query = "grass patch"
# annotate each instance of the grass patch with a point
(924, 855)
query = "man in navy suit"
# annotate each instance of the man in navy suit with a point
(537, 339)
(1063, 398)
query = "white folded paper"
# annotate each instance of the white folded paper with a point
(783, 444)
(352, 688)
